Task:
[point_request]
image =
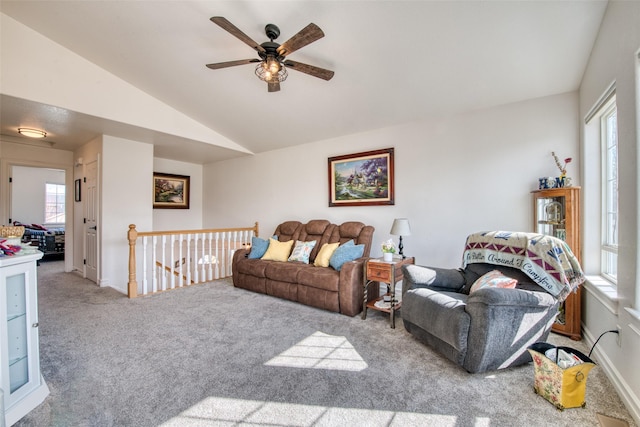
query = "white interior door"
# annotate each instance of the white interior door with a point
(91, 221)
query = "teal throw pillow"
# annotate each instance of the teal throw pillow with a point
(258, 247)
(346, 252)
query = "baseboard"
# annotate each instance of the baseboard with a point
(631, 401)
(107, 284)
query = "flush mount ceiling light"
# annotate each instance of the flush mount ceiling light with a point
(32, 133)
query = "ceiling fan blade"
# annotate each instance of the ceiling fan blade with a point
(307, 35)
(219, 65)
(226, 25)
(314, 71)
(273, 86)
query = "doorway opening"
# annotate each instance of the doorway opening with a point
(25, 199)
(38, 203)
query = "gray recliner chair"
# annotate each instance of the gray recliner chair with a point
(486, 330)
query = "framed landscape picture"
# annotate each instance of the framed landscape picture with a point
(170, 191)
(361, 179)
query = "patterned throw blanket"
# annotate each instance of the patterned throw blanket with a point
(548, 261)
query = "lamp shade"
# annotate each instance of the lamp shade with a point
(400, 227)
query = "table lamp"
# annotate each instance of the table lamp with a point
(400, 228)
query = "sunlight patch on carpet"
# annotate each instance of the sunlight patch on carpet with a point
(240, 412)
(321, 351)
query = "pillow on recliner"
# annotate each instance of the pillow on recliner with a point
(472, 273)
(493, 279)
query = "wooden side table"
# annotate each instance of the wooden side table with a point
(389, 272)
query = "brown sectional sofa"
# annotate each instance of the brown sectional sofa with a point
(322, 287)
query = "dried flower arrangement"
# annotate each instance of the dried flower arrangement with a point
(562, 168)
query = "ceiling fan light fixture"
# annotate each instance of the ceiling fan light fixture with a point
(271, 65)
(271, 70)
(32, 133)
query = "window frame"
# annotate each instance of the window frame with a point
(59, 213)
(609, 226)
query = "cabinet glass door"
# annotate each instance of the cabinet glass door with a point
(551, 216)
(17, 335)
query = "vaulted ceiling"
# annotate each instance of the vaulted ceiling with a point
(394, 62)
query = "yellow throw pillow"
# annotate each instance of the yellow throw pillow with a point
(324, 255)
(278, 251)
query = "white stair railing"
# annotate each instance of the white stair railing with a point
(165, 260)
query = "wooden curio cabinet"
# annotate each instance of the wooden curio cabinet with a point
(556, 212)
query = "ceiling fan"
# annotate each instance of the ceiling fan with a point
(272, 65)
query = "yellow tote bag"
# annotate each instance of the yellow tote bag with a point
(564, 388)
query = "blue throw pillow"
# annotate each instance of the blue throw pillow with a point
(346, 252)
(258, 247)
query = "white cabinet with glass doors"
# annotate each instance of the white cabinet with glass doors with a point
(20, 379)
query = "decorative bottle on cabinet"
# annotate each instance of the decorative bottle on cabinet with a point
(20, 379)
(556, 212)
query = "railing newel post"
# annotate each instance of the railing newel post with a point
(132, 235)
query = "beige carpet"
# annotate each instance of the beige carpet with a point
(215, 355)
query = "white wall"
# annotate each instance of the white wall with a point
(614, 58)
(453, 176)
(180, 219)
(28, 192)
(126, 189)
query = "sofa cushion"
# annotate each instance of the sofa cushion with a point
(288, 230)
(349, 230)
(321, 278)
(493, 279)
(443, 314)
(254, 267)
(346, 252)
(278, 251)
(302, 251)
(319, 298)
(318, 230)
(324, 255)
(284, 272)
(315, 227)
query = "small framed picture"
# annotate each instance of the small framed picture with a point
(170, 191)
